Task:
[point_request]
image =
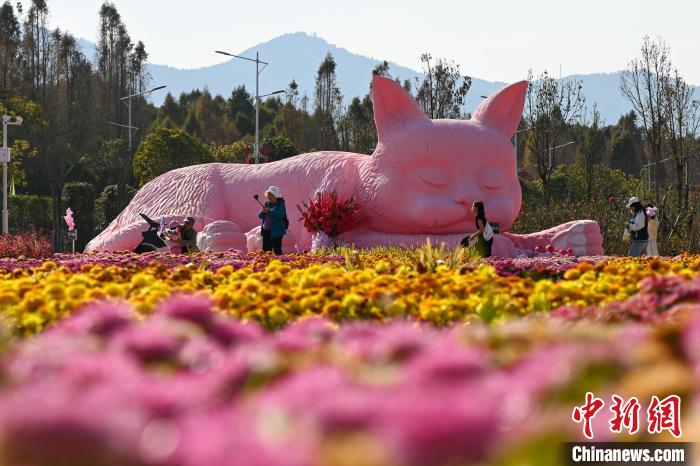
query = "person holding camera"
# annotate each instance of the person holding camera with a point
(188, 237)
(274, 220)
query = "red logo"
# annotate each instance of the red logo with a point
(626, 415)
(587, 412)
(661, 415)
(665, 415)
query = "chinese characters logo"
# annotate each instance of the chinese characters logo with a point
(662, 415)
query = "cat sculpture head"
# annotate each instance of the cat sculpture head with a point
(425, 174)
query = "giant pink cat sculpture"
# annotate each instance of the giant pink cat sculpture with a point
(419, 184)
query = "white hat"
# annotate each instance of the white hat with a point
(633, 200)
(274, 190)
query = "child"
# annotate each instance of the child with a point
(172, 234)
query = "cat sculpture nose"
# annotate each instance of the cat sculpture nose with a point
(467, 202)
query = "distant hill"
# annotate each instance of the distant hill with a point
(298, 55)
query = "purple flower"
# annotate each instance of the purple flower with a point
(101, 318)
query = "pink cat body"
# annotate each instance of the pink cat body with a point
(419, 184)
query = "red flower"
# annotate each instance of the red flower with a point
(329, 213)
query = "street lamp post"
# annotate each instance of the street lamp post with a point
(258, 70)
(257, 106)
(6, 121)
(128, 104)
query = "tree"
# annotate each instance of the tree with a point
(359, 119)
(551, 107)
(165, 122)
(192, 126)
(213, 126)
(268, 110)
(292, 93)
(328, 100)
(290, 123)
(643, 85)
(80, 197)
(167, 149)
(171, 109)
(107, 162)
(109, 204)
(9, 44)
(113, 48)
(138, 81)
(441, 93)
(626, 145)
(245, 124)
(120, 70)
(230, 153)
(241, 111)
(281, 148)
(21, 170)
(67, 100)
(590, 151)
(36, 49)
(681, 121)
(381, 69)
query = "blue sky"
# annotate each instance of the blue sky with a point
(494, 40)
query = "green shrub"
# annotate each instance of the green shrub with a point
(167, 149)
(80, 197)
(109, 204)
(29, 210)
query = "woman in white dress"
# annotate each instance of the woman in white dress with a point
(653, 230)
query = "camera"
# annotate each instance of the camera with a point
(256, 197)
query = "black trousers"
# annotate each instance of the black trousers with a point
(271, 244)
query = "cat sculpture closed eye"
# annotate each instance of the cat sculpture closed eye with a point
(418, 184)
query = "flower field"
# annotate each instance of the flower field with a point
(348, 358)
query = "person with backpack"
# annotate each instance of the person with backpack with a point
(637, 226)
(482, 239)
(274, 221)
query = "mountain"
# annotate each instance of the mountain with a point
(298, 55)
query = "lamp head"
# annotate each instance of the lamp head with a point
(12, 120)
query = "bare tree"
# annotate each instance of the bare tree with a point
(643, 84)
(681, 122)
(441, 93)
(551, 107)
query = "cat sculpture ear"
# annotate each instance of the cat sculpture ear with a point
(393, 106)
(503, 109)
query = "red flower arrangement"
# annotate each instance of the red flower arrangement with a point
(329, 213)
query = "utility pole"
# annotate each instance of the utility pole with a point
(257, 107)
(258, 70)
(128, 98)
(5, 156)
